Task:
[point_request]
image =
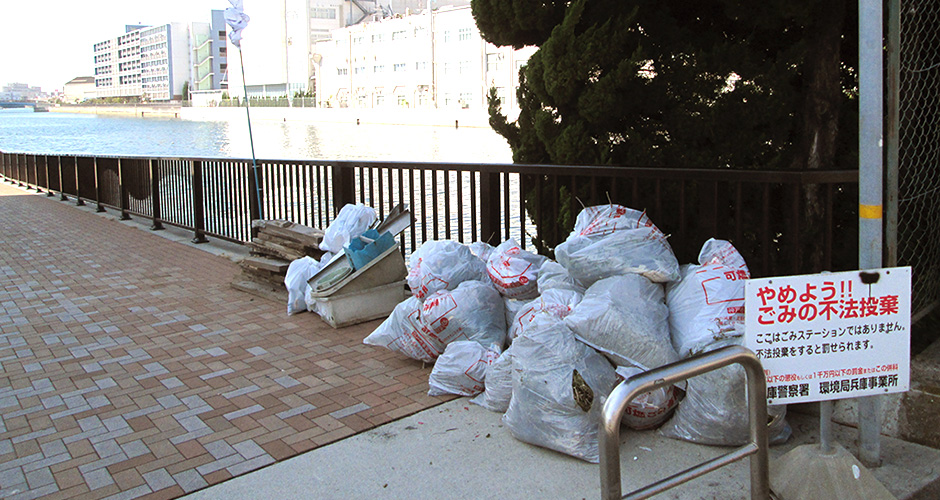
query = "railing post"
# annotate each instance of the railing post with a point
(98, 187)
(199, 215)
(155, 195)
(36, 173)
(19, 171)
(125, 196)
(344, 186)
(489, 208)
(78, 187)
(45, 161)
(62, 196)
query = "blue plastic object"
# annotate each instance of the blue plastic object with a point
(360, 253)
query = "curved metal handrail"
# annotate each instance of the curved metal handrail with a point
(670, 374)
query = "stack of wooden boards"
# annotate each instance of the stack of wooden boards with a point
(276, 243)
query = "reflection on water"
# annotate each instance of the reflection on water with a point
(66, 133)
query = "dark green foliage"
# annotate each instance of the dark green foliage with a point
(670, 83)
(517, 22)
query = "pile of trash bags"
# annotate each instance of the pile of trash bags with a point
(545, 342)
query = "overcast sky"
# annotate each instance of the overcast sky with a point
(47, 43)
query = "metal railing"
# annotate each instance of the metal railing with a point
(664, 376)
(761, 212)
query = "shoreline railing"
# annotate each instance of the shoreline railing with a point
(782, 222)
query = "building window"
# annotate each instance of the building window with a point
(402, 102)
(420, 65)
(223, 51)
(399, 35)
(379, 99)
(447, 36)
(378, 38)
(464, 34)
(494, 62)
(464, 67)
(342, 71)
(378, 68)
(399, 67)
(222, 35)
(466, 98)
(322, 13)
(448, 68)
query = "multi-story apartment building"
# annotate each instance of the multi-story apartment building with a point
(435, 60)
(209, 54)
(155, 62)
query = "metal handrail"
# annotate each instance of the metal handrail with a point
(670, 374)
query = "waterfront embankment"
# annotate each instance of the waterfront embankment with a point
(452, 118)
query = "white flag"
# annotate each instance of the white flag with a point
(236, 18)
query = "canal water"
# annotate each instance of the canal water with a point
(22, 130)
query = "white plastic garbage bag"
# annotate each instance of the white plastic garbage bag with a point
(558, 389)
(515, 271)
(625, 316)
(472, 311)
(610, 239)
(650, 409)
(298, 272)
(350, 223)
(707, 304)
(513, 306)
(403, 332)
(482, 250)
(714, 410)
(461, 369)
(498, 384)
(442, 265)
(559, 302)
(554, 275)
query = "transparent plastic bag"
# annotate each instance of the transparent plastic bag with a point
(707, 304)
(650, 409)
(498, 384)
(611, 239)
(714, 411)
(481, 250)
(513, 306)
(404, 332)
(514, 271)
(558, 388)
(461, 369)
(559, 302)
(298, 272)
(472, 311)
(443, 265)
(350, 223)
(554, 275)
(625, 316)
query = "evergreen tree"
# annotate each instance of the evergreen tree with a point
(670, 83)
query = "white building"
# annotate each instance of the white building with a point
(156, 62)
(416, 61)
(80, 88)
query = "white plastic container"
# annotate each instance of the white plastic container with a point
(344, 309)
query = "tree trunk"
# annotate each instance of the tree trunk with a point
(819, 129)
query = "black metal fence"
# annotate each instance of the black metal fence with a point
(762, 212)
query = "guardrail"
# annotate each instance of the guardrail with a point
(762, 212)
(664, 376)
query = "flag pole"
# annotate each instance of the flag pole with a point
(251, 141)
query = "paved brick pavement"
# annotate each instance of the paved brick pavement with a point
(130, 369)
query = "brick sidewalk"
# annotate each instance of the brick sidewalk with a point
(129, 368)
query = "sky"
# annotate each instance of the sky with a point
(46, 43)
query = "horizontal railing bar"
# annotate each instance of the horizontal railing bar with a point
(629, 171)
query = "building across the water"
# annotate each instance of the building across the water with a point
(163, 62)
